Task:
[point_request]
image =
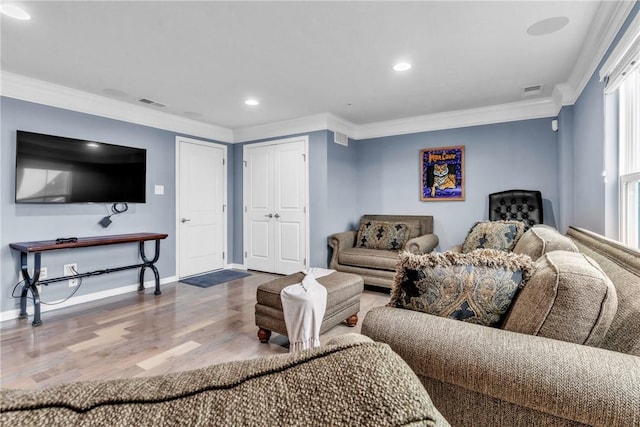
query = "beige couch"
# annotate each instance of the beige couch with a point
(483, 376)
(377, 266)
(351, 381)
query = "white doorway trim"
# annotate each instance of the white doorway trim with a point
(225, 217)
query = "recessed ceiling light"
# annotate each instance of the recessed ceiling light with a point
(548, 26)
(402, 66)
(252, 102)
(14, 12)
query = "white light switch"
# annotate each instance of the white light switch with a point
(159, 189)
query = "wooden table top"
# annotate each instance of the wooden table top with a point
(52, 245)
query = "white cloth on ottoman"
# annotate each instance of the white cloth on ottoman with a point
(303, 306)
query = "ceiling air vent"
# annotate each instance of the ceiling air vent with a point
(341, 138)
(532, 90)
(151, 102)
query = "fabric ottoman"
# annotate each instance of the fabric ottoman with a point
(343, 302)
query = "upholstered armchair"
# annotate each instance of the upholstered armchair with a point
(372, 251)
(521, 205)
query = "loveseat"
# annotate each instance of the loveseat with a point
(372, 251)
(351, 381)
(489, 376)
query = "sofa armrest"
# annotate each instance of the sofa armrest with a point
(422, 244)
(583, 384)
(338, 242)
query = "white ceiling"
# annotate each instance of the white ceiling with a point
(203, 59)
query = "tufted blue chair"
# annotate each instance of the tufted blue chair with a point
(521, 205)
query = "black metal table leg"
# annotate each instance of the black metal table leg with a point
(30, 284)
(150, 264)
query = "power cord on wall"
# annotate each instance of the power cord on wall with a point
(116, 208)
(75, 272)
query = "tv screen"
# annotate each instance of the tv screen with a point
(54, 169)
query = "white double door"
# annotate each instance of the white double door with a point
(275, 205)
(201, 183)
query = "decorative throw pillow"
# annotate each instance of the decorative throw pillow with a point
(382, 235)
(568, 298)
(477, 287)
(539, 240)
(500, 235)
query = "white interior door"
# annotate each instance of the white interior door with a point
(289, 207)
(259, 208)
(201, 206)
(275, 194)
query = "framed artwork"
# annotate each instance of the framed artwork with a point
(442, 172)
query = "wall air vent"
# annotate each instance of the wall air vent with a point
(532, 90)
(341, 138)
(151, 102)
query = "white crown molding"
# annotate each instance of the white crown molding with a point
(40, 92)
(285, 127)
(622, 56)
(607, 23)
(523, 110)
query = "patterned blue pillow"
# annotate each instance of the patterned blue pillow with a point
(478, 287)
(500, 235)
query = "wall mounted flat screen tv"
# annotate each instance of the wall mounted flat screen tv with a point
(54, 169)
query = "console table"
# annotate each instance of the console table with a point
(32, 281)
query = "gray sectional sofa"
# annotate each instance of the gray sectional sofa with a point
(350, 381)
(532, 375)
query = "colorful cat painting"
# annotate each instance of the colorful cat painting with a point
(442, 178)
(442, 171)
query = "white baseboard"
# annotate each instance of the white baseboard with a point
(150, 284)
(236, 266)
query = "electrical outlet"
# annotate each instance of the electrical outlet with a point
(71, 270)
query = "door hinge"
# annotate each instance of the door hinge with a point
(245, 163)
(223, 163)
(304, 209)
(224, 208)
(245, 209)
(304, 262)
(304, 157)
(222, 255)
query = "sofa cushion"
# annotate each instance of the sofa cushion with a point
(477, 287)
(539, 240)
(415, 225)
(568, 298)
(369, 258)
(500, 235)
(382, 235)
(355, 382)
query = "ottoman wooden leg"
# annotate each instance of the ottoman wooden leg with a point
(264, 335)
(352, 321)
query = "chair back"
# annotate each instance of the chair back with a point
(521, 205)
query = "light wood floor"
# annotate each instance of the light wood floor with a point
(138, 335)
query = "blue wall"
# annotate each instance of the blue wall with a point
(514, 155)
(42, 222)
(595, 201)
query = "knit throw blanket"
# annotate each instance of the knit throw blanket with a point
(303, 306)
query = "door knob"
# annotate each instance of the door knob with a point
(269, 216)
(277, 215)
(185, 220)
